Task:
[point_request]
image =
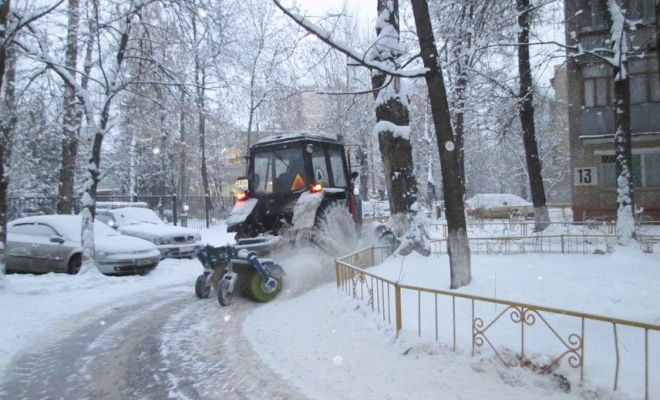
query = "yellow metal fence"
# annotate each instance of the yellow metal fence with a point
(480, 322)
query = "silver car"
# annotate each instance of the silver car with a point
(172, 241)
(52, 243)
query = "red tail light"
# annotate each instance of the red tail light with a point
(315, 187)
(242, 196)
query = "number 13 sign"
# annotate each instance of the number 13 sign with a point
(586, 176)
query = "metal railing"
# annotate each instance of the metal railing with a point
(454, 317)
(546, 244)
(526, 228)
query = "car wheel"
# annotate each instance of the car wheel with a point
(74, 265)
(258, 292)
(224, 296)
(201, 290)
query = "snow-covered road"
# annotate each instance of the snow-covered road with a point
(161, 344)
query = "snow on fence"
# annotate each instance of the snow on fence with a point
(456, 318)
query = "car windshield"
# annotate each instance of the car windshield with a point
(132, 216)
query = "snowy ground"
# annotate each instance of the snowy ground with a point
(332, 348)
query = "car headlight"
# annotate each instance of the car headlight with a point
(102, 253)
(163, 240)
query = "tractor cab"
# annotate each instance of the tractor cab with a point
(287, 174)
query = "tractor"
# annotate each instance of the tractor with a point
(292, 183)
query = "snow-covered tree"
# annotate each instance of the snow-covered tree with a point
(393, 132)
(11, 23)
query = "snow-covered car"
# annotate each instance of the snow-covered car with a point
(144, 223)
(498, 205)
(52, 243)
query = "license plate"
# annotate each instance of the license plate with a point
(186, 249)
(144, 261)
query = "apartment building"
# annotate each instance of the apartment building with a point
(589, 97)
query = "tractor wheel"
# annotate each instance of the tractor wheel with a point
(256, 289)
(201, 289)
(224, 296)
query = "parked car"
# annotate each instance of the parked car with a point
(172, 241)
(498, 205)
(52, 243)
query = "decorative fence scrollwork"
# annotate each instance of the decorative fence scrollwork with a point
(386, 298)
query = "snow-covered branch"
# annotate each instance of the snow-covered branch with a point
(355, 55)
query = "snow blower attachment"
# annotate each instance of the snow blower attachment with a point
(229, 267)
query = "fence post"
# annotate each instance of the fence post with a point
(397, 306)
(207, 206)
(175, 207)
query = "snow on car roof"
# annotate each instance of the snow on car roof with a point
(136, 214)
(68, 225)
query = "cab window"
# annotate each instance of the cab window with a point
(338, 169)
(279, 171)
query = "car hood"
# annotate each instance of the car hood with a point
(122, 244)
(154, 231)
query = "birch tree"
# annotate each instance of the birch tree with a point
(112, 45)
(72, 117)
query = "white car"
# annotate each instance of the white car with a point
(172, 241)
(52, 243)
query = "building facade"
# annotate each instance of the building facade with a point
(590, 99)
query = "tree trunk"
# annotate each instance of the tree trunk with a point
(71, 119)
(183, 182)
(457, 242)
(625, 221)
(526, 113)
(7, 126)
(625, 216)
(393, 129)
(4, 140)
(657, 32)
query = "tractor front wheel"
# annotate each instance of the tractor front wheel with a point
(201, 289)
(224, 295)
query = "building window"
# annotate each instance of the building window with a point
(644, 85)
(598, 15)
(597, 85)
(641, 10)
(594, 15)
(646, 170)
